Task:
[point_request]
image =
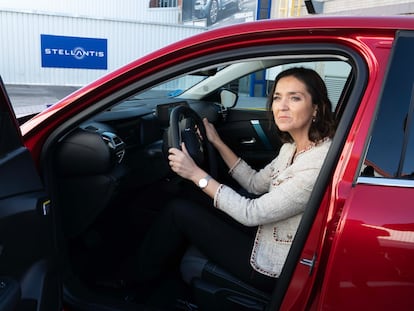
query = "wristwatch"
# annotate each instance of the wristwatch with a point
(203, 182)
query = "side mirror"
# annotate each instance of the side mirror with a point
(228, 98)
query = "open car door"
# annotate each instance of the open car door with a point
(29, 274)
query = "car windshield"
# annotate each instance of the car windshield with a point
(179, 85)
(251, 80)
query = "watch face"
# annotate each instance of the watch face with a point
(202, 183)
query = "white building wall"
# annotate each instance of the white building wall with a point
(368, 7)
(286, 8)
(137, 10)
(295, 8)
(127, 39)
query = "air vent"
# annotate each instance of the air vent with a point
(116, 144)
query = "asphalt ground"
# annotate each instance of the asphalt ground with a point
(29, 99)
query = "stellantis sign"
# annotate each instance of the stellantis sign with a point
(73, 52)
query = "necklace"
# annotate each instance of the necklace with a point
(297, 153)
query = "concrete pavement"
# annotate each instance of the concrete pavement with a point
(28, 99)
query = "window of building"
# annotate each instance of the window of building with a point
(163, 3)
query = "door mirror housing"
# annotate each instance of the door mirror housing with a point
(228, 98)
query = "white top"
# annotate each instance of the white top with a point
(285, 188)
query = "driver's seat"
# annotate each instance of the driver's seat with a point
(216, 289)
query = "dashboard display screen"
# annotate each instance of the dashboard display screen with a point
(164, 110)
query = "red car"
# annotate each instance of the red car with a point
(82, 181)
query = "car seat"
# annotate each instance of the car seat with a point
(216, 289)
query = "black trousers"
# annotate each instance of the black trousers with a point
(220, 238)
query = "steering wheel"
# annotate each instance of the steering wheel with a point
(187, 126)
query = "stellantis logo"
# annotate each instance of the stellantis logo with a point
(78, 53)
(73, 52)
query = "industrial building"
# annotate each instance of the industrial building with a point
(55, 44)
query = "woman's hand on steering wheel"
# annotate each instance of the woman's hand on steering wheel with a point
(183, 164)
(211, 132)
(187, 126)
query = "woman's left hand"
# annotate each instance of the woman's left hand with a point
(181, 163)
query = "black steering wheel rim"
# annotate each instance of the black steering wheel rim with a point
(176, 135)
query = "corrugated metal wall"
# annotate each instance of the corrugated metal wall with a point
(136, 10)
(369, 7)
(20, 60)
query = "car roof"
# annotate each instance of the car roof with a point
(301, 27)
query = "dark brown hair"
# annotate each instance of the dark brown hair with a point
(323, 124)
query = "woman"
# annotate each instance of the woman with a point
(302, 113)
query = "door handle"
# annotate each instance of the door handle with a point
(309, 262)
(250, 141)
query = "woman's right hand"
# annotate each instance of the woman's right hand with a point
(229, 157)
(211, 133)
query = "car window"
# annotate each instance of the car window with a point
(251, 80)
(254, 88)
(391, 149)
(172, 87)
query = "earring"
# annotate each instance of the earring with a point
(314, 116)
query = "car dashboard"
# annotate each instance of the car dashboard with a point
(118, 153)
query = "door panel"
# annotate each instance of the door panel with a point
(248, 134)
(365, 274)
(27, 239)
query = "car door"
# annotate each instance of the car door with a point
(374, 250)
(29, 274)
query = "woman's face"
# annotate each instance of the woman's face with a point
(292, 107)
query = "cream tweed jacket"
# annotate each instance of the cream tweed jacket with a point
(285, 186)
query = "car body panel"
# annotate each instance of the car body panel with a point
(376, 266)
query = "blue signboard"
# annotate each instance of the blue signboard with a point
(73, 52)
